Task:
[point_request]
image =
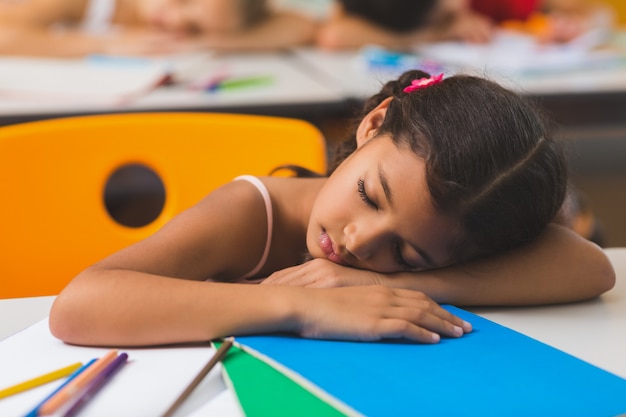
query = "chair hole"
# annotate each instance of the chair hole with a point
(134, 195)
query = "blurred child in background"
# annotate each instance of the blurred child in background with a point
(145, 27)
(401, 24)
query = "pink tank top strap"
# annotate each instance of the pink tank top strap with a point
(270, 220)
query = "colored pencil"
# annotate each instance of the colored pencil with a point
(237, 83)
(219, 355)
(77, 384)
(35, 411)
(101, 379)
(40, 380)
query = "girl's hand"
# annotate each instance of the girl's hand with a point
(144, 42)
(468, 27)
(369, 313)
(565, 27)
(322, 273)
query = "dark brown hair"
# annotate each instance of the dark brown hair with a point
(395, 15)
(491, 163)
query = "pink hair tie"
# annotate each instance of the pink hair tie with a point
(420, 83)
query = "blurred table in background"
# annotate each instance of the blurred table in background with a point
(258, 84)
(586, 98)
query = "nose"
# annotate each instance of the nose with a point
(363, 239)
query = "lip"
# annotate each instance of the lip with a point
(327, 247)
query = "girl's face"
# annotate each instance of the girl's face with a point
(192, 16)
(375, 212)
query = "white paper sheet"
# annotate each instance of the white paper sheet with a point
(93, 79)
(145, 387)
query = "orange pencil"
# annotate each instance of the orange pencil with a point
(77, 384)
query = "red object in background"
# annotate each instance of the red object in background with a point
(500, 10)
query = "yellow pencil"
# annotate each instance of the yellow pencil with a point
(40, 380)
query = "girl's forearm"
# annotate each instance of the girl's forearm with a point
(559, 267)
(109, 307)
(281, 30)
(126, 308)
(27, 41)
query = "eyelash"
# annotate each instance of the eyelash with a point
(396, 247)
(364, 196)
(399, 259)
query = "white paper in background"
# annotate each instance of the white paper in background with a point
(93, 79)
(145, 387)
(518, 54)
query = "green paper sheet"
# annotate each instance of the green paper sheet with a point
(263, 391)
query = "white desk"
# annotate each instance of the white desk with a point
(18, 313)
(289, 88)
(592, 331)
(309, 82)
(353, 73)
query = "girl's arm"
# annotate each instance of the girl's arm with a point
(26, 27)
(40, 13)
(280, 30)
(450, 20)
(128, 308)
(41, 42)
(30, 28)
(352, 32)
(559, 267)
(569, 19)
(153, 292)
(45, 41)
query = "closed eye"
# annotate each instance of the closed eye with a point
(397, 252)
(364, 196)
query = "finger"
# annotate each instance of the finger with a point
(273, 280)
(418, 302)
(398, 328)
(443, 314)
(277, 277)
(450, 325)
(287, 276)
(425, 319)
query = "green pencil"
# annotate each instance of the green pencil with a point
(243, 82)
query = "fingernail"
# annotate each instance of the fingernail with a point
(457, 330)
(467, 326)
(435, 338)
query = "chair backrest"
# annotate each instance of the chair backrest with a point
(53, 174)
(619, 9)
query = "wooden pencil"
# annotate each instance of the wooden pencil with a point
(219, 355)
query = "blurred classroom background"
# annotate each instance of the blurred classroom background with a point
(598, 161)
(582, 87)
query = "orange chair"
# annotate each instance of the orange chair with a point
(619, 9)
(53, 175)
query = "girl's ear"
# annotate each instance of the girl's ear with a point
(371, 122)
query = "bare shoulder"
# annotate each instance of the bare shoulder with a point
(291, 187)
(221, 237)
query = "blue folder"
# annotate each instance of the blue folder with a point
(494, 371)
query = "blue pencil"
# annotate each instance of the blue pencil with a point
(35, 411)
(99, 381)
